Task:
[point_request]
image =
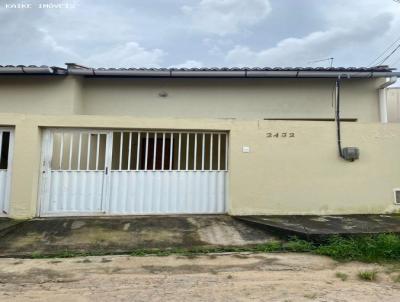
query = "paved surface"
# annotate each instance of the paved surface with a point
(7, 224)
(207, 278)
(124, 234)
(311, 226)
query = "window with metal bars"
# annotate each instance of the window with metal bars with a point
(80, 150)
(165, 151)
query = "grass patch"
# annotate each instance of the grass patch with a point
(368, 275)
(342, 276)
(273, 246)
(372, 248)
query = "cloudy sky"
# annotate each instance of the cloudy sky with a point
(199, 33)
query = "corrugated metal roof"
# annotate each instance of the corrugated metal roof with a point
(356, 69)
(353, 69)
(239, 72)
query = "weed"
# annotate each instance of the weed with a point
(368, 275)
(297, 245)
(310, 296)
(36, 255)
(371, 248)
(341, 276)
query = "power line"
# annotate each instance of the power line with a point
(389, 55)
(386, 49)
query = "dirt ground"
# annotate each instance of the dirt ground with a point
(217, 277)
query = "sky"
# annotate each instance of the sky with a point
(199, 33)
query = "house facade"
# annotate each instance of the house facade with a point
(83, 141)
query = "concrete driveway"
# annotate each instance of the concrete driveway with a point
(102, 235)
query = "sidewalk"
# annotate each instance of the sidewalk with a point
(118, 235)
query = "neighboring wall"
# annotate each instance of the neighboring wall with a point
(393, 106)
(298, 175)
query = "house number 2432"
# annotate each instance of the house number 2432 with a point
(280, 134)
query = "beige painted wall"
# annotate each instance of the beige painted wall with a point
(230, 98)
(40, 95)
(209, 98)
(304, 174)
(300, 175)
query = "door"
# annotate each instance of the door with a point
(73, 172)
(132, 172)
(6, 149)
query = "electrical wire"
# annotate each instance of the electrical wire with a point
(389, 55)
(383, 53)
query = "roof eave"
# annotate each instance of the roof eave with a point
(10, 70)
(229, 74)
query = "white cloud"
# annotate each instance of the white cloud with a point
(130, 54)
(49, 41)
(224, 17)
(189, 64)
(208, 33)
(317, 45)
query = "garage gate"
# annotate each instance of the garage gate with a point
(98, 172)
(6, 147)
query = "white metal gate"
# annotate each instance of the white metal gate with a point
(89, 172)
(6, 148)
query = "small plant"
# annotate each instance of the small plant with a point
(310, 296)
(341, 276)
(297, 245)
(368, 275)
(36, 255)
